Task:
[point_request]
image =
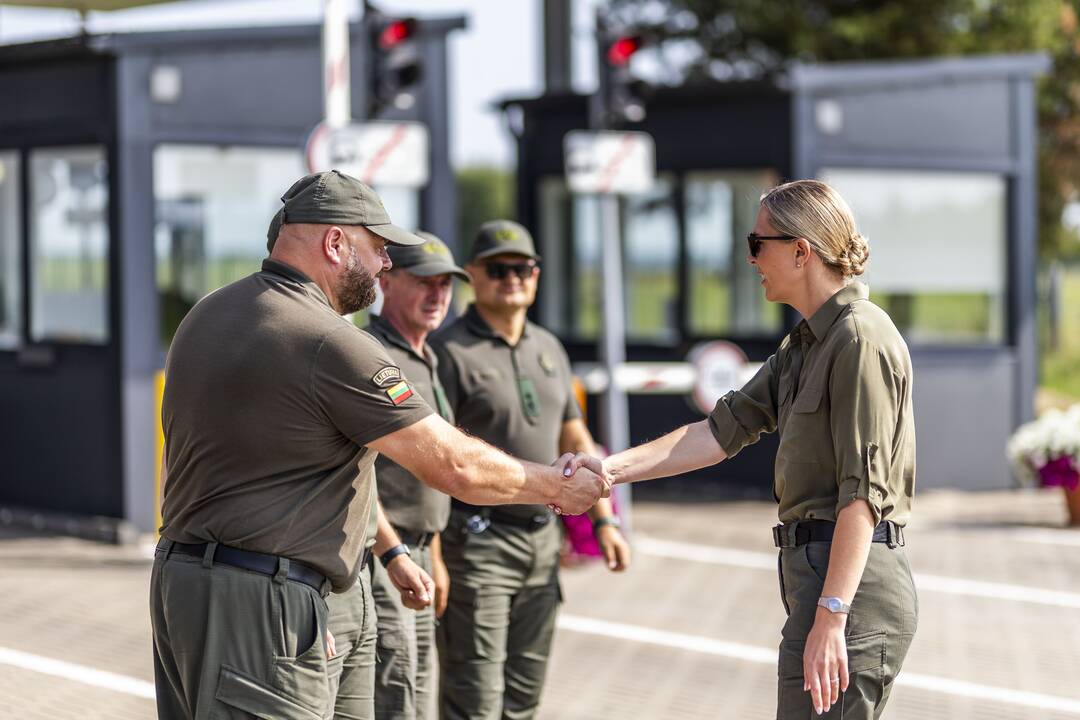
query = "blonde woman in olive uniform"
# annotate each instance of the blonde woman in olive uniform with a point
(839, 392)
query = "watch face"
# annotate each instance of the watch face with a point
(834, 604)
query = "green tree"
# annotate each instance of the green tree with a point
(484, 193)
(733, 39)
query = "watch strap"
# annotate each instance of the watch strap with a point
(392, 553)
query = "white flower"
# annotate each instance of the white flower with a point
(1056, 434)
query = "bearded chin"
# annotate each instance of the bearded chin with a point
(356, 288)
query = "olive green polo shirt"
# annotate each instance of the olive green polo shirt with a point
(270, 399)
(515, 397)
(839, 391)
(409, 503)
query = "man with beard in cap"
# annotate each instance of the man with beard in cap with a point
(274, 411)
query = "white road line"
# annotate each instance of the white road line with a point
(932, 583)
(767, 656)
(1046, 537)
(78, 673)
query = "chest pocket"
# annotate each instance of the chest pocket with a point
(808, 399)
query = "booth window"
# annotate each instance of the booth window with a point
(650, 231)
(69, 245)
(213, 207)
(937, 250)
(10, 255)
(724, 293)
(570, 243)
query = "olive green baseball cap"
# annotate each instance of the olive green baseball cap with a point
(499, 237)
(431, 258)
(334, 198)
(273, 230)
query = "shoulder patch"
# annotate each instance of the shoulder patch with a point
(399, 393)
(389, 375)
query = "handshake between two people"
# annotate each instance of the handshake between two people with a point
(584, 482)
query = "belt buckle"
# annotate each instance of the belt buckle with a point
(777, 538)
(477, 524)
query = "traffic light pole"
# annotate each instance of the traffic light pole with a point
(614, 420)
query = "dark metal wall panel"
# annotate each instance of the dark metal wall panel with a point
(949, 122)
(250, 88)
(963, 418)
(50, 102)
(58, 433)
(137, 318)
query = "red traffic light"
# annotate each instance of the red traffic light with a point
(396, 32)
(623, 49)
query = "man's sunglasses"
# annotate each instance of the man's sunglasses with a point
(500, 271)
(754, 241)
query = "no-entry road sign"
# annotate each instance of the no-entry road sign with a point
(609, 162)
(376, 153)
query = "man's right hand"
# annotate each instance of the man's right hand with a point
(584, 483)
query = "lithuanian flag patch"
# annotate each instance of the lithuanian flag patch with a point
(400, 393)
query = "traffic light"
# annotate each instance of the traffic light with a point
(396, 61)
(621, 96)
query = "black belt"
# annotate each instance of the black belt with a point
(260, 563)
(481, 517)
(800, 532)
(415, 540)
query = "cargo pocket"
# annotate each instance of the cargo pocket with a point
(490, 624)
(304, 678)
(239, 692)
(866, 651)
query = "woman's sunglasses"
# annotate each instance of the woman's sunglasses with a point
(754, 241)
(499, 270)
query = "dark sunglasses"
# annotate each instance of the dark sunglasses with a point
(754, 241)
(499, 271)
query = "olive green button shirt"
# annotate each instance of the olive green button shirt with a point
(270, 399)
(839, 391)
(515, 397)
(409, 503)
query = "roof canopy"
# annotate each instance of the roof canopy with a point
(86, 5)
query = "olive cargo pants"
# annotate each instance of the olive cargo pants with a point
(879, 630)
(352, 669)
(495, 638)
(232, 643)
(404, 664)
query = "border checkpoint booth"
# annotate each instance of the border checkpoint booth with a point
(139, 172)
(937, 159)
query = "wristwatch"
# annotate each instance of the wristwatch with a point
(612, 520)
(392, 553)
(834, 605)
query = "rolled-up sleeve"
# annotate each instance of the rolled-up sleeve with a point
(864, 391)
(741, 416)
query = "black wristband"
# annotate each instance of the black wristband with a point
(392, 553)
(611, 520)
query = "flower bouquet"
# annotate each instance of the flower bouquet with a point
(1046, 453)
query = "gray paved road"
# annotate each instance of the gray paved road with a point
(687, 633)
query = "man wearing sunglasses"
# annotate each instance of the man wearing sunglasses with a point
(508, 382)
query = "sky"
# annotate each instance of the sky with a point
(498, 55)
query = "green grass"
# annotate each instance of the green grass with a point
(948, 318)
(1060, 371)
